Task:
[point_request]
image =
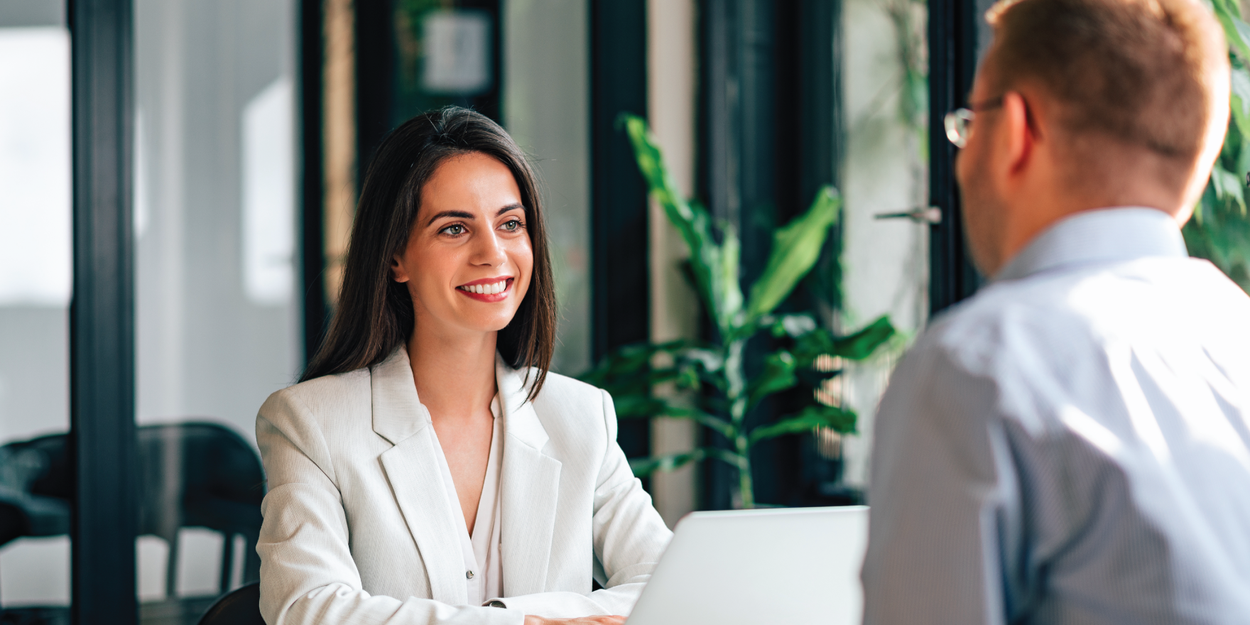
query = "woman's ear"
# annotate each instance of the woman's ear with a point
(397, 270)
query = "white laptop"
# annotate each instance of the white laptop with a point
(755, 567)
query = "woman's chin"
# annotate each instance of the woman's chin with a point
(483, 325)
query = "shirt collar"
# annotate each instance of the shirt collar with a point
(1098, 236)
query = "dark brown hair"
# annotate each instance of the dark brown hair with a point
(375, 313)
(1135, 71)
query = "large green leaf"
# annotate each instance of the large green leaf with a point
(778, 375)
(715, 267)
(792, 325)
(1235, 30)
(646, 466)
(726, 285)
(1240, 101)
(643, 467)
(863, 343)
(838, 419)
(856, 346)
(638, 406)
(795, 249)
(1228, 186)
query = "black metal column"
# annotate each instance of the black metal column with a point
(312, 189)
(375, 78)
(102, 382)
(620, 297)
(952, 65)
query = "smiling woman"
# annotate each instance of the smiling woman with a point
(375, 314)
(428, 469)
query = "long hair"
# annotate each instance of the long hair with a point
(375, 313)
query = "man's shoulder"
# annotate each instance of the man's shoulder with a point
(1063, 314)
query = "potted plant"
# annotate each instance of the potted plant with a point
(716, 368)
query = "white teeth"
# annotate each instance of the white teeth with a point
(486, 289)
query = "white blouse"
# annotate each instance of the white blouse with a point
(482, 570)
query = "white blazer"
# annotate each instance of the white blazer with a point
(358, 527)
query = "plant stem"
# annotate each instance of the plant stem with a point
(746, 488)
(735, 378)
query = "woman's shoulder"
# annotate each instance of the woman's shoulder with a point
(572, 405)
(564, 388)
(325, 395)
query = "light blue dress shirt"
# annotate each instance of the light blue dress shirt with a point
(1072, 444)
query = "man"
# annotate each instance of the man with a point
(1072, 445)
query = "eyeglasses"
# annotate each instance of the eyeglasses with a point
(959, 121)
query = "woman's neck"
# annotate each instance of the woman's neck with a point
(455, 375)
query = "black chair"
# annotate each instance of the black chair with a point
(193, 474)
(200, 474)
(34, 488)
(240, 606)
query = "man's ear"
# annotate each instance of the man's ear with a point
(1020, 136)
(397, 270)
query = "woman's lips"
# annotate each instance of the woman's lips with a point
(487, 291)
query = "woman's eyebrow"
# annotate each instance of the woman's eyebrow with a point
(469, 216)
(455, 214)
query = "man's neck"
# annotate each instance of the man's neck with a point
(1035, 218)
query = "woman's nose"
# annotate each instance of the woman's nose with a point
(488, 250)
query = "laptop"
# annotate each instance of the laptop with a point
(755, 567)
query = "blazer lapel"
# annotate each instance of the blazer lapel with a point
(412, 470)
(529, 488)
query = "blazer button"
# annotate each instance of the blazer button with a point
(468, 574)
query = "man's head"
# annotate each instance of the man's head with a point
(1082, 104)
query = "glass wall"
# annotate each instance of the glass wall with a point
(546, 108)
(35, 283)
(217, 298)
(885, 172)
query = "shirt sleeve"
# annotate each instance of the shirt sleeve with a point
(944, 498)
(629, 537)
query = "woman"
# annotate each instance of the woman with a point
(428, 468)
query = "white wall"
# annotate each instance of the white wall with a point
(672, 84)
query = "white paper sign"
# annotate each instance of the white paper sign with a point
(457, 52)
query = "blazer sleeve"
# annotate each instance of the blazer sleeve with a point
(629, 537)
(307, 573)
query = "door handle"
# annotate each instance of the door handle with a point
(931, 215)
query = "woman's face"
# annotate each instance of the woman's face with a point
(468, 261)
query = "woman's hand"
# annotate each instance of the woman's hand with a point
(585, 620)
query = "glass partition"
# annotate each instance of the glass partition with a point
(217, 306)
(885, 241)
(546, 108)
(35, 285)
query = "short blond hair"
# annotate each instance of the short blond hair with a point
(1136, 71)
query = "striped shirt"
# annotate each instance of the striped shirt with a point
(1072, 444)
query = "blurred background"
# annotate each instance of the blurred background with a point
(178, 179)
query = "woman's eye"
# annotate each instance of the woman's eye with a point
(512, 225)
(453, 230)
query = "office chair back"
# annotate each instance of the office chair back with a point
(200, 474)
(191, 474)
(238, 607)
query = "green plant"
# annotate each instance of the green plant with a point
(1220, 229)
(718, 368)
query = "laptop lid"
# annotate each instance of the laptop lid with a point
(751, 567)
